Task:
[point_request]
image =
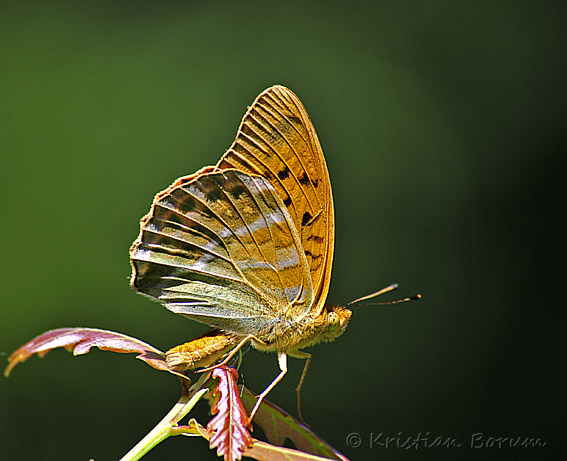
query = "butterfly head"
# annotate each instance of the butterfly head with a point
(336, 321)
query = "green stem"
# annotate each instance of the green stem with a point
(166, 427)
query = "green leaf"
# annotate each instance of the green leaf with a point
(279, 425)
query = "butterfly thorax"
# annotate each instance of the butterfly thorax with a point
(294, 334)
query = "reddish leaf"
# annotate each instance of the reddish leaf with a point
(81, 340)
(259, 450)
(279, 425)
(230, 436)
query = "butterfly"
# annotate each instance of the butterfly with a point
(246, 246)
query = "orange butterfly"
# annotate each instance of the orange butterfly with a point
(246, 246)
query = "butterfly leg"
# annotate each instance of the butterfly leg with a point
(233, 352)
(307, 357)
(282, 362)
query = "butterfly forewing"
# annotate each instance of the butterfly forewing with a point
(222, 248)
(277, 141)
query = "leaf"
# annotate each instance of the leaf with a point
(265, 452)
(229, 427)
(81, 340)
(230, 435)
(259, 450)
(279, 425)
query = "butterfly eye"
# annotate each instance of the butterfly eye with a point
(333, 320)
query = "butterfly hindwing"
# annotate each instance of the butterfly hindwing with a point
(221, 248)
(277, 141)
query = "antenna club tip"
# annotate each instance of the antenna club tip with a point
(416, 297)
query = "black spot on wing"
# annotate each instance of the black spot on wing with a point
(316, 238)
(306, 218)
(304, 179)
(311, 255)
(284, 173)
(213, 195)
(237, 191)
(187, 204)
(287, 201)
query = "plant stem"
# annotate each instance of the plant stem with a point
(165, 427)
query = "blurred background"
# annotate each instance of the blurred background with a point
(443, 125)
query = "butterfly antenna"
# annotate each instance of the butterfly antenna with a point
(394, 286)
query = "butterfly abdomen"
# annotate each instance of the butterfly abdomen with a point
(201, 352)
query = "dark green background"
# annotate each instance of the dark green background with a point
(443, 125)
